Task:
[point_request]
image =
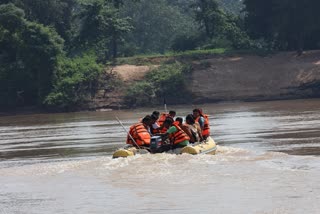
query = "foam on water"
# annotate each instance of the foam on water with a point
(234, 177)
(224, 155)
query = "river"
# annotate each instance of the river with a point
(268, 161)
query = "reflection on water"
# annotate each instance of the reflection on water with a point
(267, 162)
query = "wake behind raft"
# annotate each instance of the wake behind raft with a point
(207, 146)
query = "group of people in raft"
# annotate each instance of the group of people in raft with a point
(176, 133)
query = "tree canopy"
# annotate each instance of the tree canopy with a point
(44, 43)
(289, 25)
(28, 57)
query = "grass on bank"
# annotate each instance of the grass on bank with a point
(150, 59)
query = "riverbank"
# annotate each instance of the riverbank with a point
(216, 77)
(254, 78)
(229, 77)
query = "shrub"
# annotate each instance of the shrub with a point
(166, 82)
(76, 80)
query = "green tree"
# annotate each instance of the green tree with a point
(57, 13)
(290, 25)
(75, 82)
(102, 28)
(232, 6)
(209, 15)
(28, 57)
(156, 25)
(40, 48)
(222, 29)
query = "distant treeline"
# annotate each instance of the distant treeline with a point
(52, 52)
(284, 25)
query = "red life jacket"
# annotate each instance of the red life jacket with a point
(162, 118)
(159, 130)
(140, 134)
(179, 136)
(206, 127)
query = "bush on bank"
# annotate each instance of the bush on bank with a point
(76, 81)
(167, 82)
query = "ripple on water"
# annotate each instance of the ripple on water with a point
(63, 164)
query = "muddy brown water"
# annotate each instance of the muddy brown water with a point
(267, 162)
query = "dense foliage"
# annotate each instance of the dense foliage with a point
(51, 52)
(156, 24)
(75, 81)
(28, 54)
(286, 25)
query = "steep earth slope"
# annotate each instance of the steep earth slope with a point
(233, 78)
(256, 78)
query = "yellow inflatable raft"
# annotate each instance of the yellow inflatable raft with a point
(206, 147)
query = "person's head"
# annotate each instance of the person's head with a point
(168, 122)
(180, 120)
(190, 119)
(156, 113)
(172, 114)
(201, 112)
(147, 120)
(196, 113)
(154, 118)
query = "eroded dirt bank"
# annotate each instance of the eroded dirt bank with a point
(233, 78)
(256, 78)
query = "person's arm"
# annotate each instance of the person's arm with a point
(199, 131)
(201, 122)
(155, 126)
(186, 129)
(164, 136)
(160, 127)
(171, 130)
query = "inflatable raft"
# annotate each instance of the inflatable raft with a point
(205, 147)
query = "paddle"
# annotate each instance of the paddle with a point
(165, 105)
(128, 133)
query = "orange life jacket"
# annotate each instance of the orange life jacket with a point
(162, 118)
(179, 136)
(140, 134)
(206, 127)
(159, 130)
(155, 131)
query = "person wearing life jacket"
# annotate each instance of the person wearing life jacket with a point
(185, 128)
(178, 138)
(154, 128)
(156, 113)
(194, 128)
(154, 117)
(139, 132)
(162, 118)
(203, 120)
